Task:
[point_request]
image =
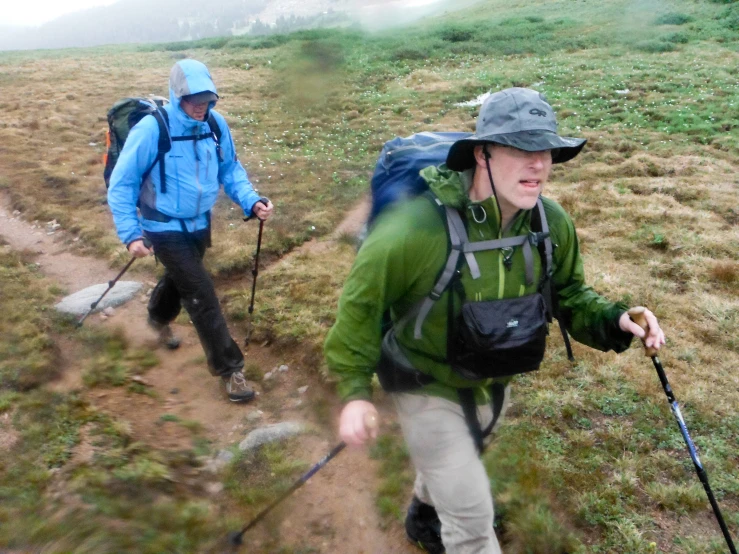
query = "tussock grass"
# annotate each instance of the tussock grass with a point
(27, 351)
(113, 362)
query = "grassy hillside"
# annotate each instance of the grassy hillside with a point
(590, 459)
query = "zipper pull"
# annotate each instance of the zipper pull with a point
(507, 257)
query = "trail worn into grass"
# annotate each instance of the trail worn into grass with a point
(334, 512)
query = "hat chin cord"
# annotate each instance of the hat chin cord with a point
(492, 184)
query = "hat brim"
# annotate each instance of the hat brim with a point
(201, 97)
(461, 155)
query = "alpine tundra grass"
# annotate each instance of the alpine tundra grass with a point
(589, 459)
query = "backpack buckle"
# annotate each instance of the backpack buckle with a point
(536, 238)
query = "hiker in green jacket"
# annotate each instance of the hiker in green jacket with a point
(493, 180)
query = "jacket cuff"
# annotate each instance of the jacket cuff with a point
(353, 390)
(250, 214)
(358, 396)
(620, 340)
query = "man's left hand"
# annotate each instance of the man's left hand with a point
(653, 338)
(262, 211)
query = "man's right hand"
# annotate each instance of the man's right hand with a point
(353, 426)
(138, 249)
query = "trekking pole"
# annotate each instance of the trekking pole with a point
(637, 315)
(255, 272)
(111, 284)
(235, 537)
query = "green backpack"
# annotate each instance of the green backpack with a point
(128, 112)
(121, 118)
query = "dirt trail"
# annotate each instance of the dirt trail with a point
(335, 512)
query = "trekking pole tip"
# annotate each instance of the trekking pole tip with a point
(234, 538)
(637, 316)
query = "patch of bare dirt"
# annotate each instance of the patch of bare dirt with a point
(334, 512)
(68, 270)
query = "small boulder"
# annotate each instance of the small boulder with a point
(79, 302)
(271, 433)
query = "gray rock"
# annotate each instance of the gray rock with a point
(79, 302)
(271, 433)
(283, 368)
(301, 390)
(220, 461)
(225, 456)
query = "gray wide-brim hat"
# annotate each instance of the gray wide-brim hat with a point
(517, 117)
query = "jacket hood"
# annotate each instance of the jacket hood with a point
(189, 77)
(450, 187)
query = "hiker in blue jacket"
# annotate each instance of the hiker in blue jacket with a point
(174, 205)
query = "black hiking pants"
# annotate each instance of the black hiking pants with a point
(187, 284)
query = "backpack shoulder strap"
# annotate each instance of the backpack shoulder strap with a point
(216, 130)
(539, 222)
(214, 127)
(165, 142)
(164, 145)
(460, 244)
(457, 236)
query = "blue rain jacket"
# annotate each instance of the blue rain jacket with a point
(193, 172)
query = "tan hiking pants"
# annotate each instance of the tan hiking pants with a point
(449, 473)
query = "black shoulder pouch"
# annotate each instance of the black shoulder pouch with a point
(499, 338)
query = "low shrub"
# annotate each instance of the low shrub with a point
(654, 46)
(673, 18)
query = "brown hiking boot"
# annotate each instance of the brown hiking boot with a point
(237, 389)
(166, 337)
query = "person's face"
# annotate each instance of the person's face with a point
(519, 176)
(196, 111)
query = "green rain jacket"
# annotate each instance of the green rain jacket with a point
(398, 264)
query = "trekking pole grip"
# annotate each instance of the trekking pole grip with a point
(637, 316)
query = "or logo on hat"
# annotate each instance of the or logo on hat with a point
(537, 111)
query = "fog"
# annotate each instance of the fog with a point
(32, 13)
(141, 21)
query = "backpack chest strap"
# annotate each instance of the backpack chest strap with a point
(460, 239)
(194, 137)
(460, 244)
